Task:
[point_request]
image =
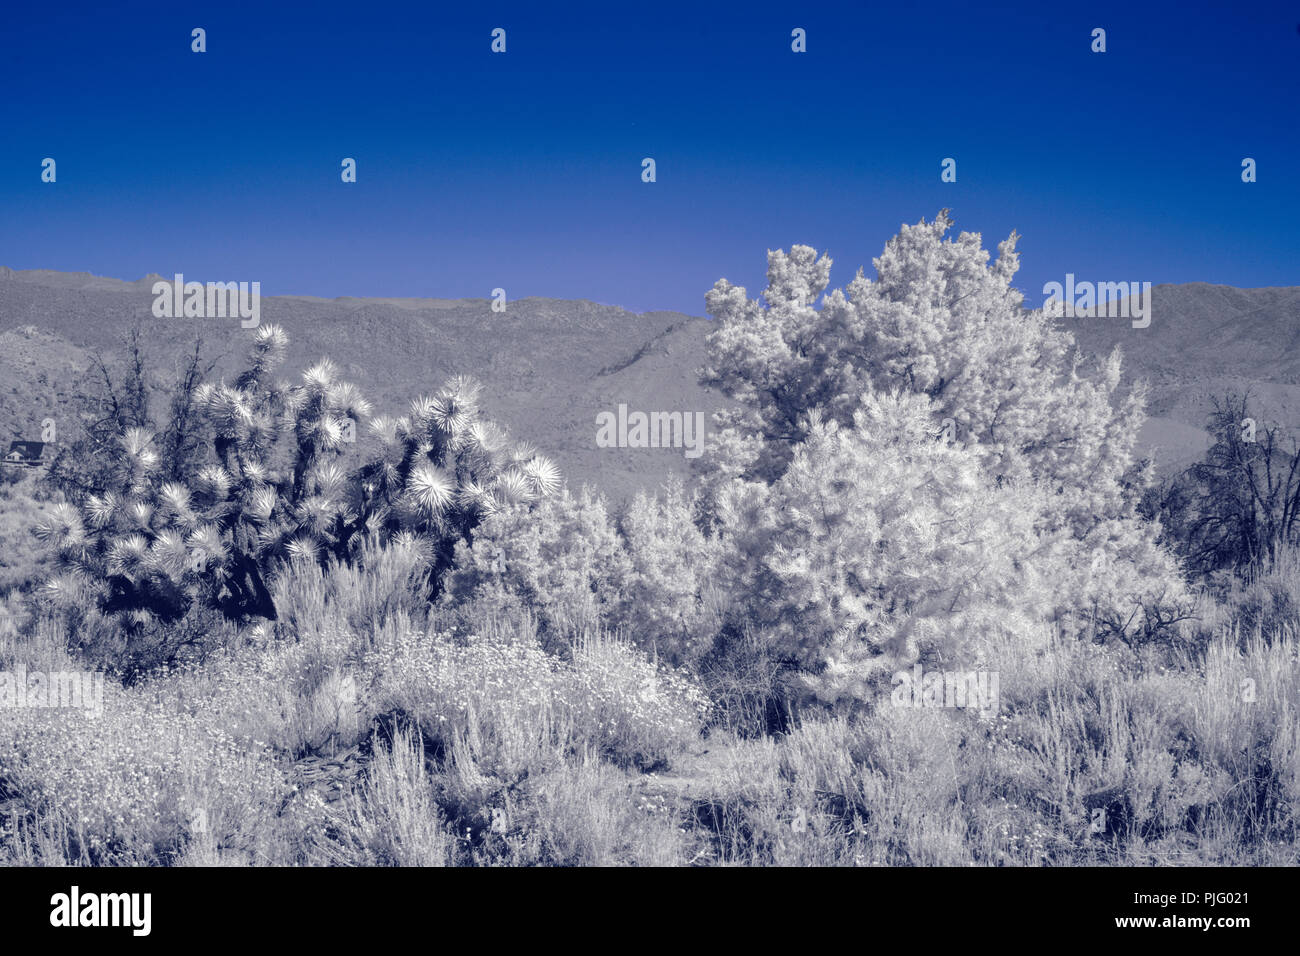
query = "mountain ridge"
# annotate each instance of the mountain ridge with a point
(550, 366)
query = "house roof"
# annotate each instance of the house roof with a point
(25, 452)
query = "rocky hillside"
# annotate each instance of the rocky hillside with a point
(551, 366)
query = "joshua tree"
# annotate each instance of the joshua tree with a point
(443, 468)
(153, 547)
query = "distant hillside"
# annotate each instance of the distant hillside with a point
(550, 365)
(1205, 340)
(40, 373)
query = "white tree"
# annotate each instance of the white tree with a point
(879, 546)
(941, 324)
(673, 568)
(938, 321)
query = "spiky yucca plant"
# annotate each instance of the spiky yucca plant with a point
(442, 468)
(277, 489)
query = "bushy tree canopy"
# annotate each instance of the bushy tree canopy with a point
(879, 545)
(1240, 505)
(921, 461)
(938, 321)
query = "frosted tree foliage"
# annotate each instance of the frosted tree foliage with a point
(843, 407)
(673, 567)
(879, 545)
(560, 559)
(941, 322)
(650, 578)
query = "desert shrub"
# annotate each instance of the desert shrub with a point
(11, 621)
(671, 604)
(1174, 758)
(582, 813)
(745, 681)
(1267, 600)
(150, 548)
(516, 709)
(301, 699)
(390, 819)
(1204, 747)
(564, 562)
(130, 783)
(1120, 584)
(1247, 725)
(880, 789)
(1263, 601)
(754, 812)
(561, 561)
(494, 691)
(128, 645)
(26, 562)
(631, 709)
(381, 581)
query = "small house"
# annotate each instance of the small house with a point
(25, 453)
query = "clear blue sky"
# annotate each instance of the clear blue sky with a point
(523, 170)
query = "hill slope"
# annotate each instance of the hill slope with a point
(550, 365)
(1204, 341)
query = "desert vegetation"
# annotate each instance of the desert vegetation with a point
(331, 636)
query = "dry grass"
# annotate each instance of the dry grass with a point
(495, 751)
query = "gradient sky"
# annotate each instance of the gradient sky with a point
(523, 170)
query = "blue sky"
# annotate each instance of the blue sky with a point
(523, 170)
